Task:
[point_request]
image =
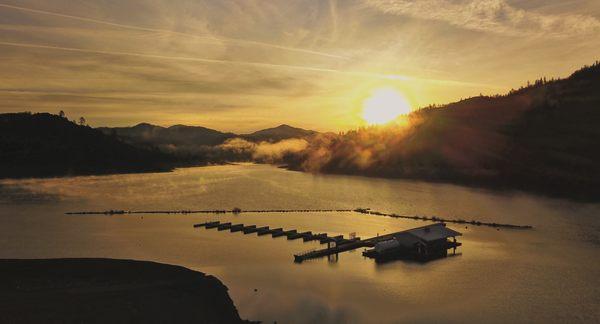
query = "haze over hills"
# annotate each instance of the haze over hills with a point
(542, 137)
(149, 134)
(43, 144)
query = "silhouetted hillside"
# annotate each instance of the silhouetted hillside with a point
(278, 133)
(542, 137)
(200, 143)
(49, 145)
(110, 291)
(175, 135)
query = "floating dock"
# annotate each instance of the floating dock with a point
(338, 244)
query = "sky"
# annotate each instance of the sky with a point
(243, 65)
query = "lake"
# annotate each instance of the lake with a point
(548, 274)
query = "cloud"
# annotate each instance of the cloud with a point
(210, 61)
(218, 63)
(495, 16)
(209, 38)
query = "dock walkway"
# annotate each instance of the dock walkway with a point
(335, 244)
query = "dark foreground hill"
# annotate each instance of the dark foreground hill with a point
(110, 291)
(544, 137)
(48, 145)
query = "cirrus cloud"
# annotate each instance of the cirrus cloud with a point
(496, 16)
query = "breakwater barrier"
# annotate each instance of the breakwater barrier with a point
(207, 211)
(367, 211)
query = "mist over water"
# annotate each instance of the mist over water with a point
(548, 274)
(264, 151)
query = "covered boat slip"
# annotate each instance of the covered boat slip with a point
(420, 243)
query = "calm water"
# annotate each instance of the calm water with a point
(549, 274)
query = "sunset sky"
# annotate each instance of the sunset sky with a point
(250, 64)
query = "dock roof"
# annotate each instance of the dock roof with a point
(433, 232)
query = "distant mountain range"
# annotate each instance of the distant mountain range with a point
(43, 144)
(192, 136)
(176, 135)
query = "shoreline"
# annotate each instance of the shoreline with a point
(492, 184)
(90, 290)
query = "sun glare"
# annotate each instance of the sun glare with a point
(384, 105)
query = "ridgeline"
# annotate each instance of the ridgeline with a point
(42, 145)
(542, 138)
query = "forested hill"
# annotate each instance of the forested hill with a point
(542, 137)
(279, 133)
(177, 135)
(43, 144)
(196, 138)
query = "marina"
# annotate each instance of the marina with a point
(547, 259)
(419, 243)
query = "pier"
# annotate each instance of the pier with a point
(335, 244)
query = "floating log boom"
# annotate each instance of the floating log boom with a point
(237, 211)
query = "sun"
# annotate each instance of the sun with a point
(384, 105)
